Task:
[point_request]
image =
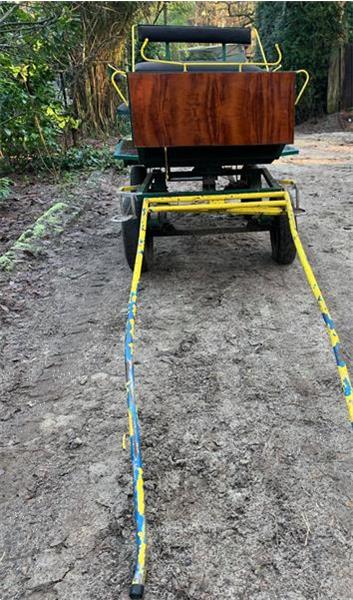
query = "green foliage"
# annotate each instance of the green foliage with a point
(53, 58)
(124, 125)
(349, 20)
(5, 188)
(72, 159)
(306, 32)
(86, 157)
(177, 13)
(172, 13)
(31, 51)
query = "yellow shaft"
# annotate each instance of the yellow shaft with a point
(331, 331)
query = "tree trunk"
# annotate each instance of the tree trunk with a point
(105, 29)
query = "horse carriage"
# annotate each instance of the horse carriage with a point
(215, 124)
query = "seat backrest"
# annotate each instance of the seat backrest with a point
(189, 34)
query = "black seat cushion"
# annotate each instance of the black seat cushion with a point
(170, 68)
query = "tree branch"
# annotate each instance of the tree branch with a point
(8, 13)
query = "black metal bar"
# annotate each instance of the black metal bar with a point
(199, 173)
(145, 185)
(146, 188)
(171, 231)
(271, 181)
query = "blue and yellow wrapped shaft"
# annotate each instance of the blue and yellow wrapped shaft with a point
(330, 328)
(137, 586)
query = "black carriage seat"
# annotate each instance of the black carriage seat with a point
(165, 68)
(239, 36)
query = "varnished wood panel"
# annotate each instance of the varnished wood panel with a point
(212, 109)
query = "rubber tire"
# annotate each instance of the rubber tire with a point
(137, 174)
(282, 244)
(131, 228)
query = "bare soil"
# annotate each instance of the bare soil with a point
(248, 453)
(29, 198)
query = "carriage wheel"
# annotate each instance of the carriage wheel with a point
(131, 227)
(283, 248)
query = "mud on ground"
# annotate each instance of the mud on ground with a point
(248, 452)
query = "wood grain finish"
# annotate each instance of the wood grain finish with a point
(211, 109)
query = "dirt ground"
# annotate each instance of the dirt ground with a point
(248, 452)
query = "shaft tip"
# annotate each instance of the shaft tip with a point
(136, 591)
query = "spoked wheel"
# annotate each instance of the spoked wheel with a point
(131, 227)
(283, 248)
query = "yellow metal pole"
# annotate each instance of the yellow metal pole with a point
(222, 197)
(221, 206)
(257, 37)
(116, 87)
(330, 328)
(137, 586)
(306, 81)
(133, 59)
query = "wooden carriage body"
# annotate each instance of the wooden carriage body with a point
(218, 109)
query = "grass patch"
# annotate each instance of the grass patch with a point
(49, 223)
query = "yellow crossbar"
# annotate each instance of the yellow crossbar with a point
(220, 198)
(220, 207)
